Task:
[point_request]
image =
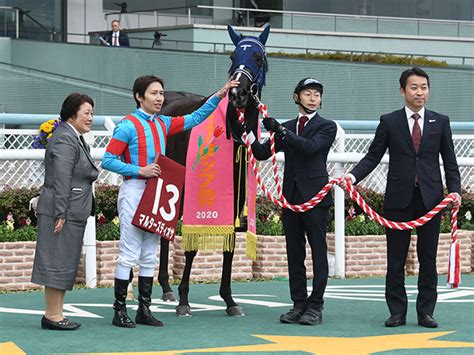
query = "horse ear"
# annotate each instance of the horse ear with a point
(264, 35)
(234, 35)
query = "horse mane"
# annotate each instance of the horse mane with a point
(178, 104)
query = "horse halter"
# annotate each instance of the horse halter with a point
(244, 63)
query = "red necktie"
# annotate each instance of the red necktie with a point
(416, 133)
(115, 40)
(301, 123)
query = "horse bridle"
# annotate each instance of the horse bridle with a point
(243, 71)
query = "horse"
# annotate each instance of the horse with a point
(249, 66)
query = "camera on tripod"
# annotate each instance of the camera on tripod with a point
(157, 40)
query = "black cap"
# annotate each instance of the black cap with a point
(309, 83)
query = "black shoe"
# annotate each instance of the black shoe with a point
(427, 321)
(121, 319)
(396, 320)
(64, 324)
(292, 317)
(311, 317)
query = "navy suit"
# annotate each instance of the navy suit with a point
(305, 174)
(414, 187)
(123, 39)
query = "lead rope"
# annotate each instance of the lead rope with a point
(454, 275)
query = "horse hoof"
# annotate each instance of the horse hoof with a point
(183, 311)
(168, 297)
(235, 311)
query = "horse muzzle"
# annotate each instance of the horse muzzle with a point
(239, 97)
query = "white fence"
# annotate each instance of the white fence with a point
(25, 169)
(21, 166)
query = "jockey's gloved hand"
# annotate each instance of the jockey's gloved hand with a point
(271, 124)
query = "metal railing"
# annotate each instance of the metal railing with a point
(332, 22)
(6, 30)
(19, 15)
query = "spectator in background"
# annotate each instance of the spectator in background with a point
(116, 37)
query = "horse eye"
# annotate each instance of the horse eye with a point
(257, 57)
(232, 56)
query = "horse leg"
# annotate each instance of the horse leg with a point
(233, 309)
(163, 276)
(183, 308)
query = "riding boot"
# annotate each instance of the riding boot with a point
(121, 318)
(144, 315)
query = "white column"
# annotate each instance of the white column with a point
(90, 253)
(339, 208)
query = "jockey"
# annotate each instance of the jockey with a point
(137, 140)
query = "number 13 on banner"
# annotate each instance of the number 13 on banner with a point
(158, 210)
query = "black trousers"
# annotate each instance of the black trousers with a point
(313, 223)
(398, 243)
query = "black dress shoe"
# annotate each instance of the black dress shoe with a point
(292, 317)
(311, 317)
(427, 321)
(396, 320)
(64, 324)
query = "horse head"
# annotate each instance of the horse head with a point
(249, 65)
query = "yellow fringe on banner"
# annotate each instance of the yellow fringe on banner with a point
(251, 246)
(208, 238)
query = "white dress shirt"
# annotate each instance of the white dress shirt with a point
(411, 120)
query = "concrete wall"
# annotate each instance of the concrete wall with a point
(353, 91)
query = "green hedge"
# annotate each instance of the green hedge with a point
(366, 58)
(15, 202)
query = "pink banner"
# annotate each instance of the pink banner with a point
(208, 198)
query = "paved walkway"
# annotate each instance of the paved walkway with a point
(352, 323)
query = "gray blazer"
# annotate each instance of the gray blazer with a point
(70, 172)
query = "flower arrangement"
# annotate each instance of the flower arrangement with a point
(45, 130)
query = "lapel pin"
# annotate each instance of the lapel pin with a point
(431, 121)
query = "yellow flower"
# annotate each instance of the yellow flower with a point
(50, 135)
(361, 218)
(116, 221)
(10, 225)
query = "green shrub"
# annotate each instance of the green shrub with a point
(17, 202)
(365, 58)
(106, 201)
(108, 231)
(24, 234)
(270, 227)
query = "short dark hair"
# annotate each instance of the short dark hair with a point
(413, 71)
(115, 21)
(72, 104)
(142, 83)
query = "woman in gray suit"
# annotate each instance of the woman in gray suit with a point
(65, 203)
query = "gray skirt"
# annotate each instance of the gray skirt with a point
(57, 255)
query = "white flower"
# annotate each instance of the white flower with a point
(468, 215)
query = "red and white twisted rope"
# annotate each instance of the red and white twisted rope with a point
(454, 277)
